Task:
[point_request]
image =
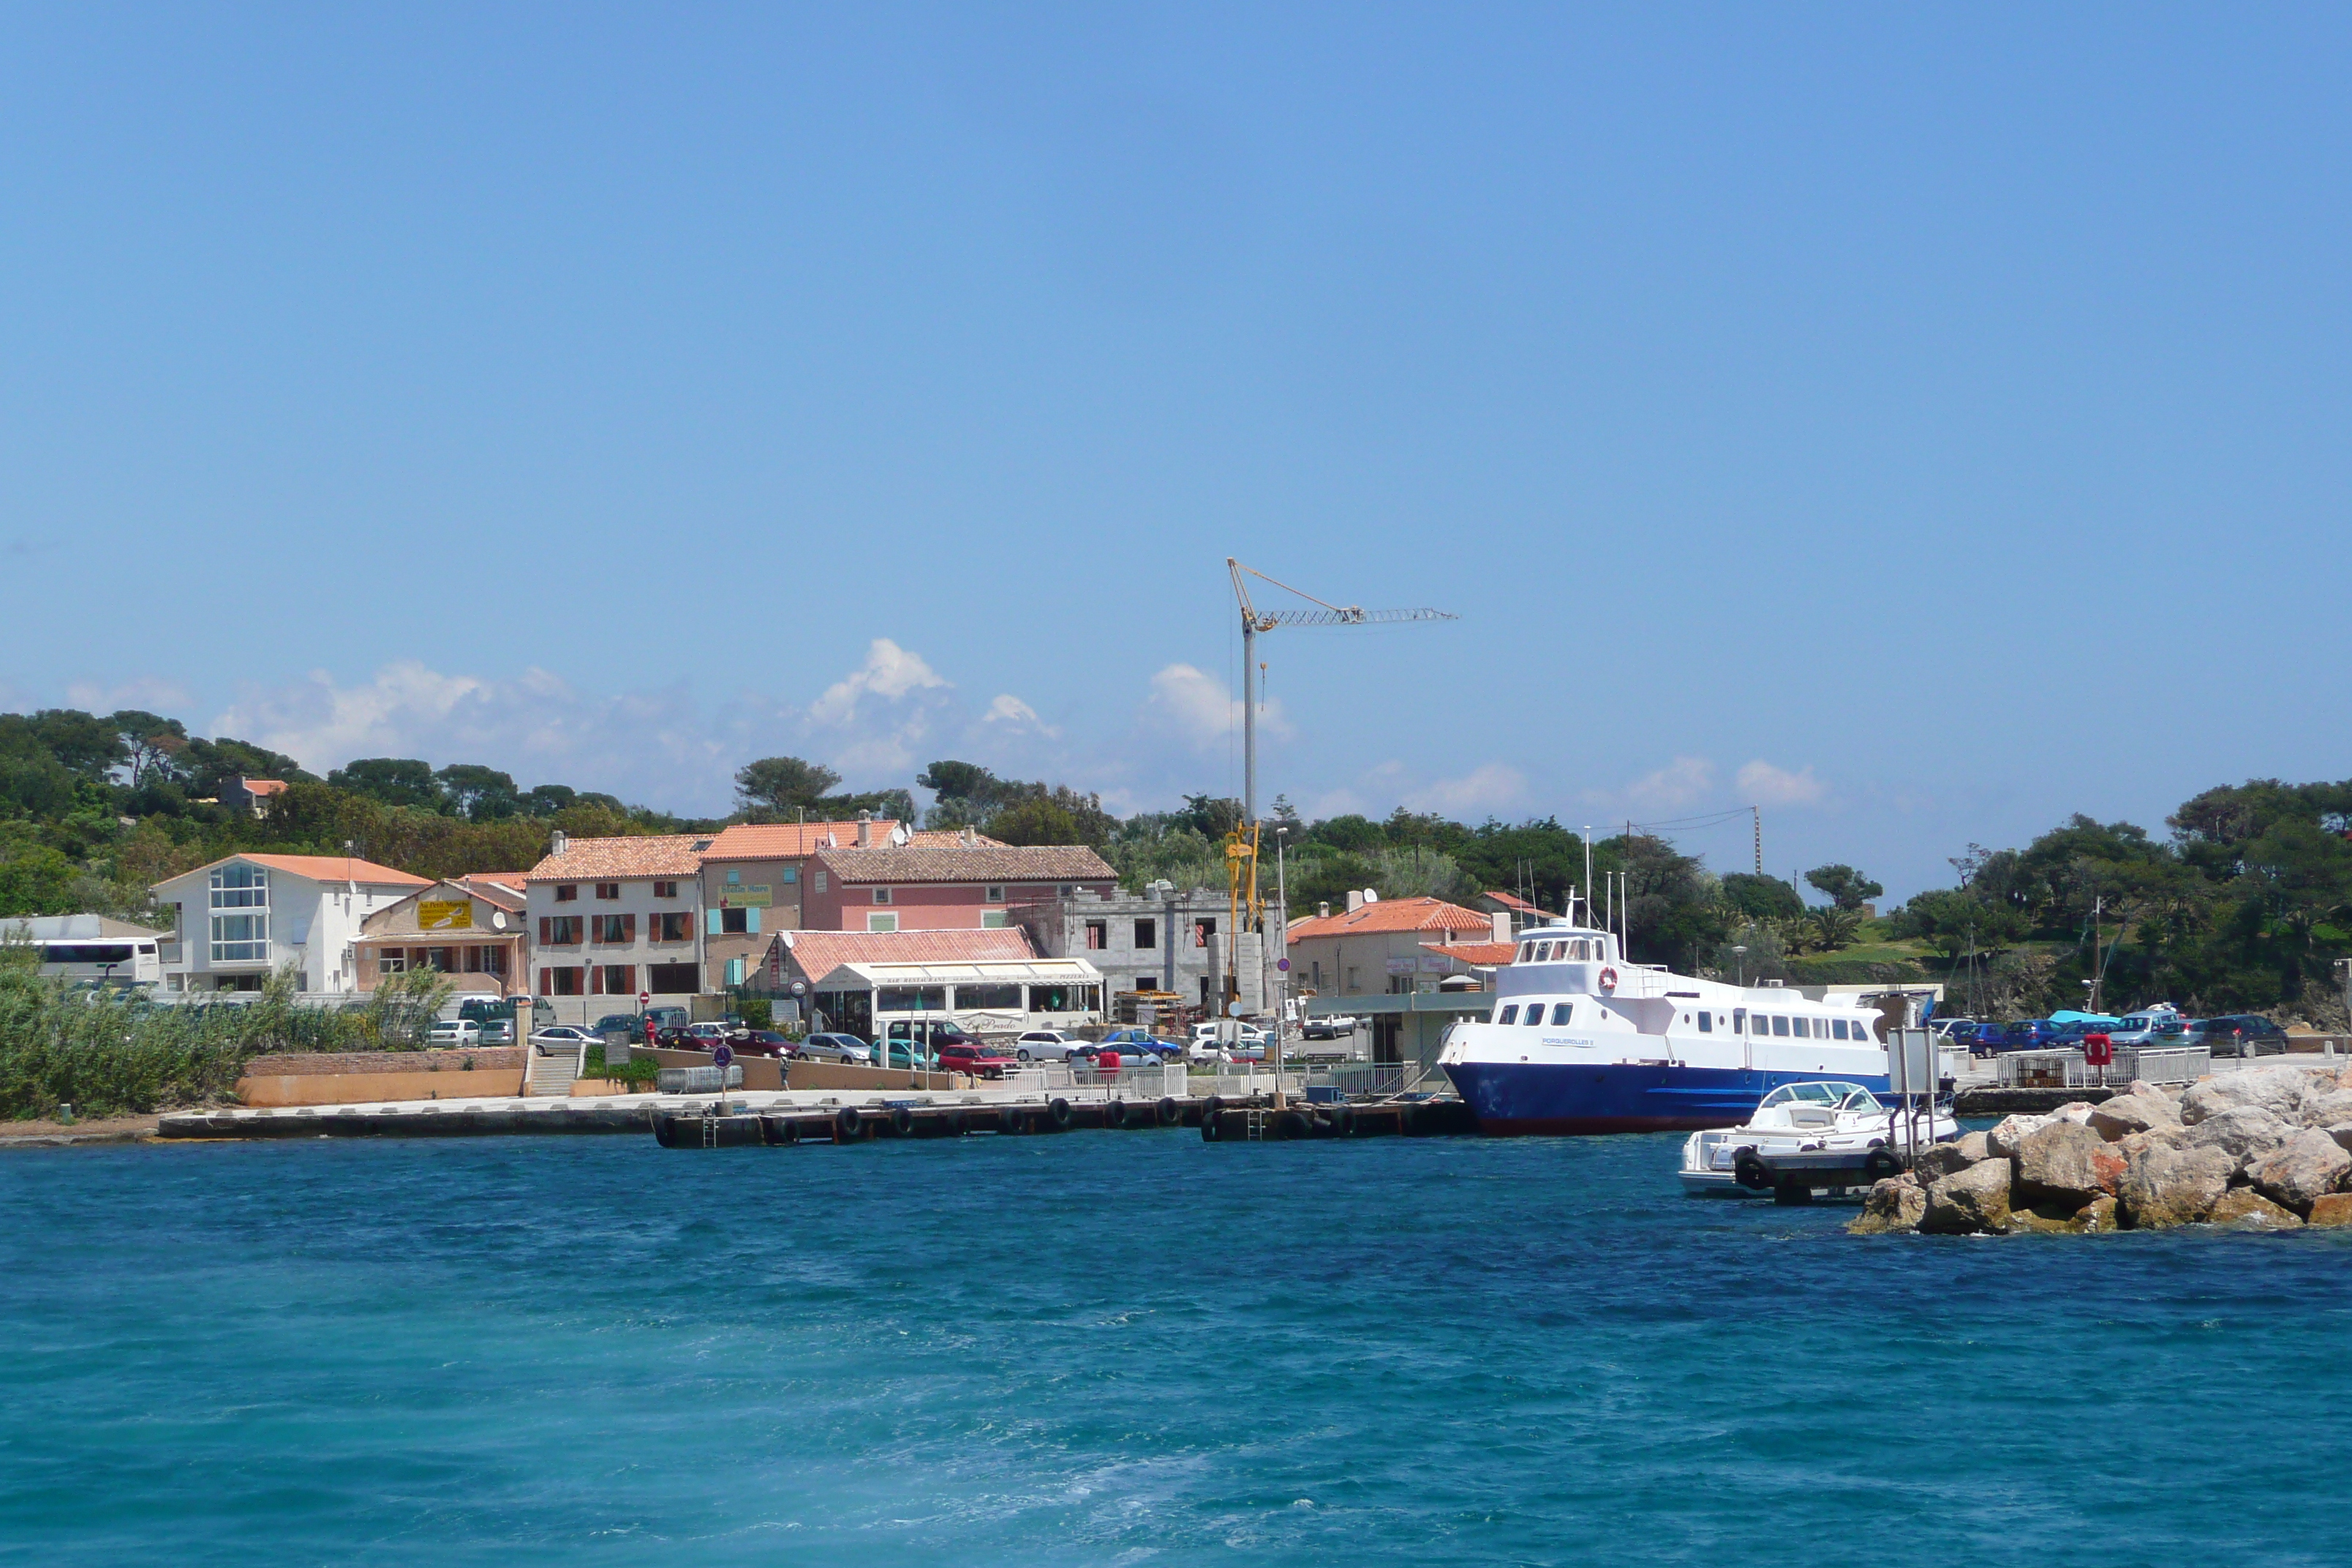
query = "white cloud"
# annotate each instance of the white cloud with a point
(1488, 788)
(889, 672)
(1014, 716)
(151, 694)
(1684, 782)
(1204, 710)
(1765, 784)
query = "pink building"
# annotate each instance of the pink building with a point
(919, 888)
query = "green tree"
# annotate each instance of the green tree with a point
(84, 745)
(394, 781)
(35, 879)
(478, 794)
(150, 744)
(1760, 897)
(1845, 888)
(777, 787)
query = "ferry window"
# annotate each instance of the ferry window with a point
(1837, 1028)
(1559, 1012)
(1779, 1025)
(1820, 1029)
(1707, 1023)
(1535, 1014)
(1510, 1015)
(1757, 1023)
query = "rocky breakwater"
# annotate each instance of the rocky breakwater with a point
(2268, 1149)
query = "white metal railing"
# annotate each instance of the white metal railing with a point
(2067, 1069)
(1134, 1080)
(1243, 1085)
(1373, 1080)
(696, 1080)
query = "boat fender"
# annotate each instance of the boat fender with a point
(1011, 1120)
(1291, 1124)
(1748, 1169)
(1058, 1113)
(1211, 1106)
(1609, 977)
(1343, 1121)
(1169, 1113)
(1880, 1165)
(955, 1125)
(1114, 1114)
(845, 1123)
(778, 1130)
(1209, 1133)
(902, 1120)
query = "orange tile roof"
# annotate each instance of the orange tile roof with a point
(980, 863)
(650, 855)
(795, 840)
(1483, 955)
(264, 787)
(503, 888)
(1512, 901)
(329, 869)
(817, 953)
(1393, 915)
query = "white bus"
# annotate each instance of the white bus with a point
(80, 948)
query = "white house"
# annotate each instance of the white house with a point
(611, 918)
(237, 919)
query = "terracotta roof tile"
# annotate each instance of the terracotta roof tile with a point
(652, 855)
(818, 953)
(1393, 915)
(1044, 863)
(1513, 901)
(1485, 954)
(794, 840)
(329, 869)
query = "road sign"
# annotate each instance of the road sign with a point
(1283, 964)
(644, 997)
(722, 1056)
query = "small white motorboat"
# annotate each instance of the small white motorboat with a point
(1821, 1117)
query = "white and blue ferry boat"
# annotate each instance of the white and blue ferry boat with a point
(1580, 1041)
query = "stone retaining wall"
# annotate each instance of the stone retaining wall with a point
(296, 1063)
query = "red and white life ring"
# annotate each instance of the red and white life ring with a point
(1608, 978)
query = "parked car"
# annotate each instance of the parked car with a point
(497, 1031)
(713, 1033)
(617, 1022)
(2237, 1034)
(828, 1047)
(454, 1032)
(562, 1039)
(2158, 1027)
(1329, 1028)
(1045, 1046)
(759, 1043)
(1139, 1041)
(967, 1054)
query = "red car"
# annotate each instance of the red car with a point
(969, 1056)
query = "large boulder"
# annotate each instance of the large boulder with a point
(2057, 1165)
(2301, 1171)
(2342, 1133)
(2276, 1089)
(2003, 1140)
(2098, 1215)
(1971, 1200)
(2332, 1211)
(1898, 1203)
(2242, 1208)
(1940, 1160)
(2326, 1108)
(1974, 1146)
(2135, 1113)
(2244, 1132)
(2135, 1144)
(2168, 1186)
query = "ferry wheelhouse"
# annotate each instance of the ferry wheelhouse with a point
(1580, 1040)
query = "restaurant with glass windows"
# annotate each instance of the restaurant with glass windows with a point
(989, 997)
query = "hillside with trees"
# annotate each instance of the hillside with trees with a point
(2244, 905)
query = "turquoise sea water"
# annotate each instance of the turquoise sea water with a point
(1111, 1348)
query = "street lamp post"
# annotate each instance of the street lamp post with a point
(1741, 950)
(1282, 1000)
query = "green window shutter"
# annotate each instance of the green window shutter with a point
(710, 922)
(751, 920)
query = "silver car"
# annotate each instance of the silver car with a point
(1045, 1045)
(846, 1048)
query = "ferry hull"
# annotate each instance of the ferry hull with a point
(1553, 1099)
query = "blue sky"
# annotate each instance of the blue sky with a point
(1924, 422)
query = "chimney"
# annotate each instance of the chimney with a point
(1323, 910)
(1371, 895)
(1355, 899)
(970, 837)
(865, 829)
(558, 843)
(1502, 919)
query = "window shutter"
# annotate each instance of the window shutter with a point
(546, 938)
(628, 927)
(544, 982)
(751, 921)
(710, 922)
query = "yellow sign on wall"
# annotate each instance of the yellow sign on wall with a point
(755, 896)
(445, 914)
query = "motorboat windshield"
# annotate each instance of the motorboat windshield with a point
(1825, 1093)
